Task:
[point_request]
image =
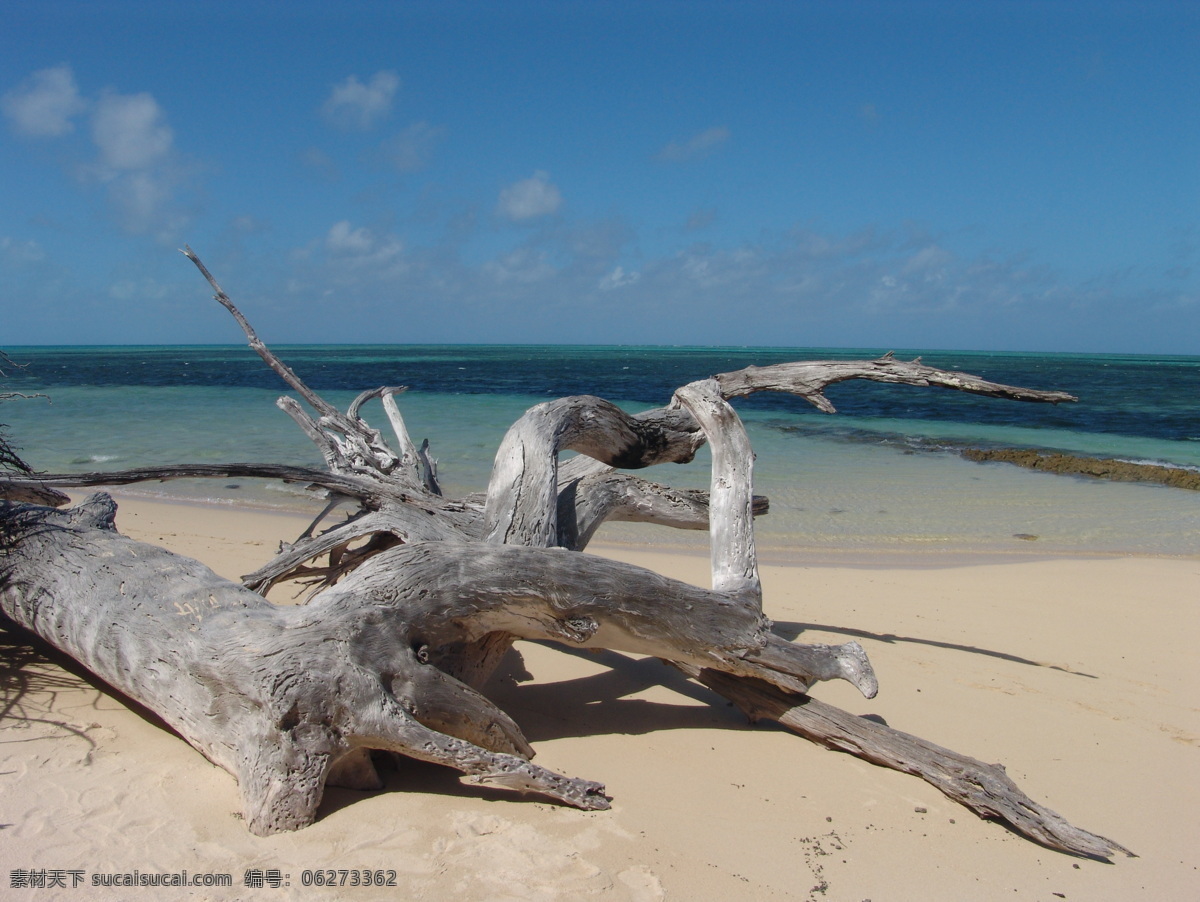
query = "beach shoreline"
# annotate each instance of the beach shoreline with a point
(690, 544)
(1076, 672)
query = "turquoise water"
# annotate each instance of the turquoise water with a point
(882, 474)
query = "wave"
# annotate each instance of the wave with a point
(95, 459)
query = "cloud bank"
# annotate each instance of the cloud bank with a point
(530, 198)
(44, 104)
(131, 133)
(590, 282)
(354, 105)
(135, 159)
(695, 147)
(410, 149)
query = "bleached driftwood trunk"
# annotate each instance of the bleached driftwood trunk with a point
(278, 695)
(415, 597)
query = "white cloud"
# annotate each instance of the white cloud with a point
(130, 133)
(344, 239)
(576, 282)
(411, 149)
(43, 104)
(354, 105)
(530, 198)
(697, 146)
(143, 198)
(315, 158)
(361, 249)
(618, 278)
(138, 163)
(806, 244)
(523, 266)
(13, 251)
(135, 147)
(929, 262)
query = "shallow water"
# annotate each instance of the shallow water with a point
(883, 473)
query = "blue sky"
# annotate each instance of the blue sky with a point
(997, 176)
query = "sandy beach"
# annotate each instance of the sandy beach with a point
(1077, 673)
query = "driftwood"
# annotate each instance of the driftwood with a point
(414, 598)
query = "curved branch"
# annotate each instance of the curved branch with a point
(522, 495)
(402, 521)
(731, 498)
(449, 596)
(809, 379)
(338, 484)
(30, 490)
(587, 501)
(519, 494)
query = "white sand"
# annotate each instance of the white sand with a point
(1078, 674)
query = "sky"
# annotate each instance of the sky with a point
(999, 175)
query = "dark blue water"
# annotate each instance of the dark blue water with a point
(1147, 397)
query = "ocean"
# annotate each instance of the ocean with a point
(883, 475)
